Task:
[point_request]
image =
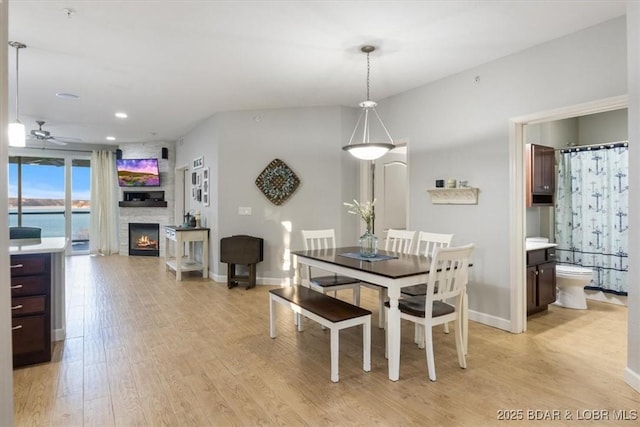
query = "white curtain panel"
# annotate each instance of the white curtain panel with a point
(104, 203)
(592, 220)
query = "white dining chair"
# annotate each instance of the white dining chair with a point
(426, 245)
(400, 241)
(442, 303)
(326, 239)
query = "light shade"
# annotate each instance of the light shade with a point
(368, 150)
(17, 134)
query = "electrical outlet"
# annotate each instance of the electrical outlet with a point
(244, 211)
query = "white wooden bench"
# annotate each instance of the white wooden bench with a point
(331, 313)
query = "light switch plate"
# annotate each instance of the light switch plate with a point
(244, 211)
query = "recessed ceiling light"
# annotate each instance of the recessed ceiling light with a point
(67, 95)
(121, 115)
(111, 138)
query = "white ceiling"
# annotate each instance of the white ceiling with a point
(172, 64)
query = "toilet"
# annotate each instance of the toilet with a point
(570, 283)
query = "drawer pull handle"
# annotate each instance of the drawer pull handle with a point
(16, 327)
(16, 307)
(16, 287)
(552, 255)
(17, 266)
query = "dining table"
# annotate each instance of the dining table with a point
(390, 270)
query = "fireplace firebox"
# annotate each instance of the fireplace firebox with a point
(144, 239)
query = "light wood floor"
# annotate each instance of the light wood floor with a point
(143, 349)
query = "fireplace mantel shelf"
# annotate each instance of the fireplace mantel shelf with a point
(142, 204)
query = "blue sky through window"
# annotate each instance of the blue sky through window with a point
(47, 182)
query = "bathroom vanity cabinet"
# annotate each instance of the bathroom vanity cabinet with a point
(541, 279)
(541, 182)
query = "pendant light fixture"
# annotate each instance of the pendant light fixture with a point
(367, 150)
(17, 133)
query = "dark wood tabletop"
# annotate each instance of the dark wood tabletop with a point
(402, 266)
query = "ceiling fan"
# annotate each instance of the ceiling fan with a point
(44, 135)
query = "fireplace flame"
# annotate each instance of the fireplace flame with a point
(144, 242)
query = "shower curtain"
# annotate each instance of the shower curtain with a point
(592, 213)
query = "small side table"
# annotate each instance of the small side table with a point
(245, 250)
(179, 263)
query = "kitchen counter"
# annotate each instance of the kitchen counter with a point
(55, 246)
(37, 246)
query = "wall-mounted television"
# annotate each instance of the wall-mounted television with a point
(138, 172)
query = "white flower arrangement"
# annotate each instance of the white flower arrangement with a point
(365, 210)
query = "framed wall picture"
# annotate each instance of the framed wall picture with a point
(198, 180)
(205, 186)
(198, 162)
(193, 178)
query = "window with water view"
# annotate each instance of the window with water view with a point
(38, 197)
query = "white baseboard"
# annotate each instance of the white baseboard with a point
(58, 335)
(489, 320)
(632, 378)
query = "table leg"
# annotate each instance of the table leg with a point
(465, 322)
(205, 257)
(393, 335)
(297, 279)
(167, 242)
(179, 251)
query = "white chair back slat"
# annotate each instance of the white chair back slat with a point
(400, 241)
(427, 243)
(318, 239)
(450, 270)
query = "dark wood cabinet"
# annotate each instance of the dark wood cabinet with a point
(541, 279)
(31, 308)
(541, 178)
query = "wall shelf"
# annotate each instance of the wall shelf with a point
(143, 204)
(454, 196)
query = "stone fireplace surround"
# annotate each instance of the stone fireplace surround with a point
(154, 215)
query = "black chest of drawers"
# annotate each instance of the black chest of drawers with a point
(31, 308)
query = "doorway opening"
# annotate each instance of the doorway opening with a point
(385, 180)
(517, 213)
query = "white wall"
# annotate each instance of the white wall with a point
(239, 145)
(459, 129)
(632, 373)
(557, 133)
(610, 126)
